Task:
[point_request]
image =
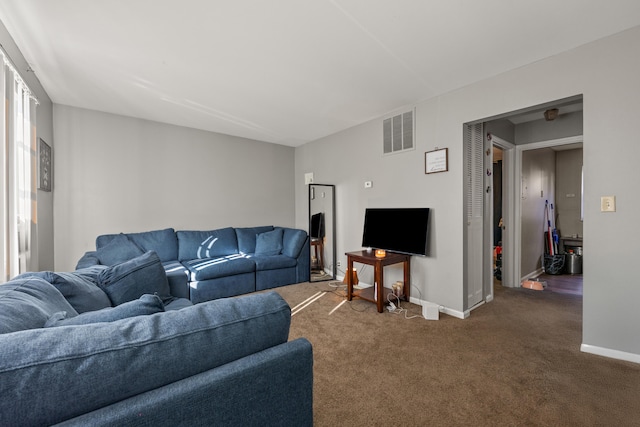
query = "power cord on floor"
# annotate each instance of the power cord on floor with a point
(396, 308)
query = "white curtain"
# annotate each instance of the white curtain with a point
(18, 178)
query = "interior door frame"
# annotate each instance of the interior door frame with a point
(517, 250)
(509, 219)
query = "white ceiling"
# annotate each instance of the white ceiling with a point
(288, 71)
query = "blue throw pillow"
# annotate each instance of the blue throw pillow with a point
(269, 243)
(143, 306)
(28, 302)
(81, 292)
(131, 279)
(247, 237)
(118, 250)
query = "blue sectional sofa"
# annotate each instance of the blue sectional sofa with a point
(206, 265)
(110, 346)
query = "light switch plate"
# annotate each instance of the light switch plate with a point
(608, 204)
(308, 178)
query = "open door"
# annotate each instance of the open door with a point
(474, 253)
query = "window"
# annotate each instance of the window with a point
(18, 173)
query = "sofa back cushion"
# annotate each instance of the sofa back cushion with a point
(45, 379)
(206, 244)
(163, 242)
(130, 280)
(247, 237)
(27, 303)
(77, 288)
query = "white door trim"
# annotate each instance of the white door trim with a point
(509, 191)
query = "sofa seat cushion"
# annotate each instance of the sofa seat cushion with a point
(163, 242)
(206, 244)
(130, 280)
(143, 306)
(77, 287)
(27, 303)
(104, 363)
(213, 268)
(273, 262)
(247, 237)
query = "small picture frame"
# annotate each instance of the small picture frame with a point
(45, 165)
(436, 160)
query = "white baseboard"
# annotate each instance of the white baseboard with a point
(455, 313)
(535, 273)
(443, 309)
(613, 354)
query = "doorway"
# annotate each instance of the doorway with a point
(528, 129)
(559, 192)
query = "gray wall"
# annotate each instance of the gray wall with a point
(42, 229)
(605, 73)
(568, 189)
(538, 187)
(119, 174)
(564, 126)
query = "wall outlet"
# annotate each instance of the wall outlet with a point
(339, 264)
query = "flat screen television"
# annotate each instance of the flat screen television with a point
(317, 226)
(404, 230)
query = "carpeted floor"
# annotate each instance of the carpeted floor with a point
(514, 361)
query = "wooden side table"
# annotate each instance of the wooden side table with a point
(377, 293)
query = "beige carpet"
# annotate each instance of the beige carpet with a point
(515, 361)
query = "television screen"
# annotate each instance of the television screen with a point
(403, 230)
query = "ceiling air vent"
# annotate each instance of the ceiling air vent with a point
(397, 133)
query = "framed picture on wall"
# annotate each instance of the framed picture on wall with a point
(44, 166)
(436, 160)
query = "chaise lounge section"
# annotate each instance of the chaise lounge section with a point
(207, 265)
(109, 346)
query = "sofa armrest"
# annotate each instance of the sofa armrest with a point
(89, 259)
(273, 387)
(43, 371)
